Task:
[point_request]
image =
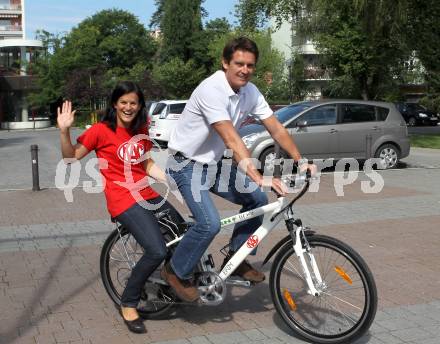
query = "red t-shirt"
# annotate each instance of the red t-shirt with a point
(124, 174)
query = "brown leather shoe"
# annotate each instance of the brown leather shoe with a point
(246, 271)
(184, 289)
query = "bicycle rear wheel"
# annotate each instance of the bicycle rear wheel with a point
(119, 255)
(347, 304)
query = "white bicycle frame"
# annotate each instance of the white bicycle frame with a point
(270, 221)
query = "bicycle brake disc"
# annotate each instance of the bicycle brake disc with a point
(211, 287)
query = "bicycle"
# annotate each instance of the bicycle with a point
(322, 289)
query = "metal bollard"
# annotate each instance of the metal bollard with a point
(35, 175)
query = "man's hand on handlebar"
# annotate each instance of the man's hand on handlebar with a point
(279, 186)
(276, 185)
(310, 167)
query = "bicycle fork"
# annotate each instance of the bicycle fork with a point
(303, 251)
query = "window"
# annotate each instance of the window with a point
(158, 108)
(288, 112)
(323, 115)
(415, 107)
(177, 108)
(382, 113)
(354, 113)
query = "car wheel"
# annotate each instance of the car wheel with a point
(267, 161)
(388, 155)
(412, 122)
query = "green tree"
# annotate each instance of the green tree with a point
(183, 60)
(363, 44)
(106, 46)
(363, 40)
(178, 78)
(424, 37)
(213, 30)
(180, 21)
(156, 18)
(296, 81)
(49, 76)
(253, 14)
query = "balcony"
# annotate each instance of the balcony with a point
(10, 9)
(316, 73)
(11, 30)
(307, 48)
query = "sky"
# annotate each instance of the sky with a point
(58, 16)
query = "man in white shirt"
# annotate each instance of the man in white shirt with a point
(206, 127)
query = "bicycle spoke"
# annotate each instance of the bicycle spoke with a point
(342, 303)
(122, 255)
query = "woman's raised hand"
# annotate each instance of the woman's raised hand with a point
(65, 115)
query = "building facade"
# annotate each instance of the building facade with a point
(17, 54)
(290, 44)
(11, 19)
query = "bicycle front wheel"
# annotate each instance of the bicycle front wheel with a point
(347, 300)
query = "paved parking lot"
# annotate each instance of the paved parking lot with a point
(50, 288)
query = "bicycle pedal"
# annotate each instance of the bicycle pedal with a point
(238, 282)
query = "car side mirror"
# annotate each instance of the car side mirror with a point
(301, 124)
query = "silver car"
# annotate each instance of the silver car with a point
(335, 129)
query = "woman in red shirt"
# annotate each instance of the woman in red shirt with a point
(122, 145)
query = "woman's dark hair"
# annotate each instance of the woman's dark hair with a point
(122, 88)
(240, 43)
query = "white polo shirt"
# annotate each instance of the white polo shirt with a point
(212, 101)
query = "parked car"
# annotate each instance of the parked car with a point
(251, 119)
(335, 129)
(149, 105)
(416, 114)
(164, 118)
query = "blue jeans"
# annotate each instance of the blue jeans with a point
(143, 225)
(195, 182)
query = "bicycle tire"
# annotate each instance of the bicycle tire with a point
(343, 271)
(114, 275)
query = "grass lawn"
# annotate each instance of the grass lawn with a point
(425, 141)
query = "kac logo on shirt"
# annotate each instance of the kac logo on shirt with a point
(131, 152)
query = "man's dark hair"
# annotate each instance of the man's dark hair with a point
(121, 89)
(240, 43)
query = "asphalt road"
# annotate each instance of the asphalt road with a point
(425, 130)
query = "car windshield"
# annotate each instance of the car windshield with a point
(418, 107)
(290, 111)
(158, 108)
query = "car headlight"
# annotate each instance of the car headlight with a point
(423, 115)
(249, 140)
